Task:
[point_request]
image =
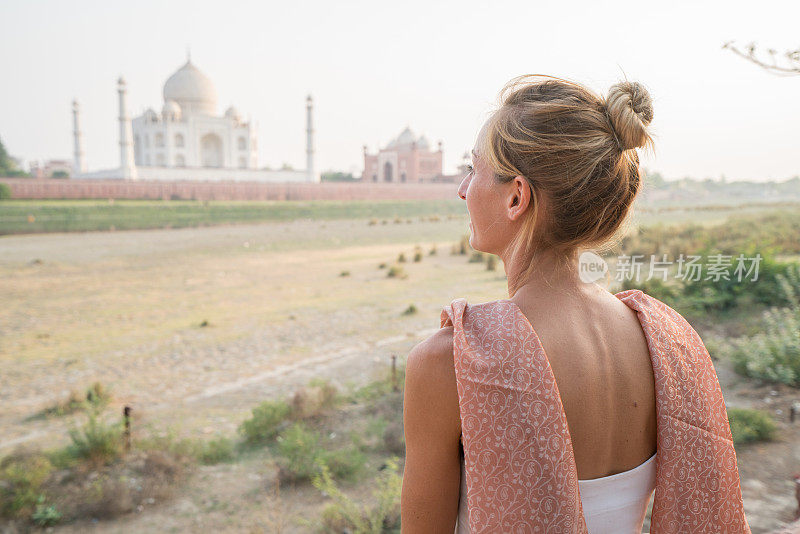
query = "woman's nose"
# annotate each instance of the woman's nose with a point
(462, 189)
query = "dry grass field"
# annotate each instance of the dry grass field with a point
(193, 327)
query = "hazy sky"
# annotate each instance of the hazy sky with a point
(374, 67)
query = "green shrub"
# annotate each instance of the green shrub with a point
(5, 191)
(21, 477)
(96, 441)
(774, 353)
(411, 310)
(216, 451)
(300, 449)
(302, 455)
(263, 425)
(382, 266)
(750, 425)
(708, 294)
(345, 515)
(396, 271)
(96, 397)
(417, 257)
(45, 515)
(432, 251)
(401, 258)
(477, 257)
(383, 387)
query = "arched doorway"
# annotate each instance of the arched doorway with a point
(211, 150)
(387, 172)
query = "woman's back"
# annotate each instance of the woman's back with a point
(602, 366)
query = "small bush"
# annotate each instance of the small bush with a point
(96, 397)
(432, 251)
(344, 273)
(345, 515)
(491, 263)
(96, 441)
(45, 515)
(476, 257)
(750, 425)
(302, 455)
(216, 451)
(311, 401)
(401, 258)
(417, 257)
(463, 245)
(21, 477)
(373, 222)
(398, 220)
(383, 387)
(300, 449)
(411, 310)
(263, 425)
(382, 266)
(5, 191)
(774, 353)
(396, 271)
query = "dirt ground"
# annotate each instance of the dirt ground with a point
(126, 308)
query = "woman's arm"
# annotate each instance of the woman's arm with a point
(432, 475)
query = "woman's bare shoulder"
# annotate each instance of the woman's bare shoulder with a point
(432, 358)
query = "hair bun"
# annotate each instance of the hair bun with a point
(630, 109)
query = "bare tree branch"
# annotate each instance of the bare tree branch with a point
(749, 53)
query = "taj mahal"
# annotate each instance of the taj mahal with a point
(188, 139)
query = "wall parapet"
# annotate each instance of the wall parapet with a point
(28, 188)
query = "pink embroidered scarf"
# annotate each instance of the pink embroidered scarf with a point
(518, 456)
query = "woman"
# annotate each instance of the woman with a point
(572, 426)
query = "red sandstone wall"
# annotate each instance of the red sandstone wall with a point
(122, 189)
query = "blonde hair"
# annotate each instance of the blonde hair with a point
(577, 153)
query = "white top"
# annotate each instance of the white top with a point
(614, 504)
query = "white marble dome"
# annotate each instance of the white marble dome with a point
(423, 143)
(171, 111)
(192, 90)
(406, 137)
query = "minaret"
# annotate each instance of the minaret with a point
(125, 135)
(310, 175)
(78, 158)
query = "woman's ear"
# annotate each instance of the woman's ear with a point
(520, 197)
